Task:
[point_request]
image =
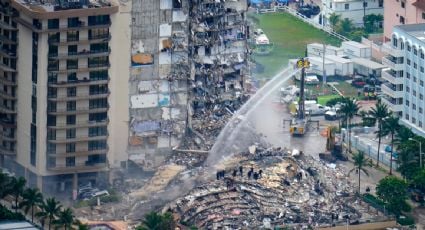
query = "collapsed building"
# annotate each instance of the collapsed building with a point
(189, 66)
(271, 188)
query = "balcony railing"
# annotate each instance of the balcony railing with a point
(77, 82)
(7, 110)
(391, 91)
(392, 77)
(6, 95)
(79, 139)
(76, 111)
(64, 97)
(92, 39)
(81, 69)
(8, 137)
(392, 105)
(389, 49)
(81, 54)
(7, 53)
(64, 125)
(392, 63)
(7, 151)
(8, 123)
(79, 153)
(86, 166)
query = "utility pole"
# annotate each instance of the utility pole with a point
(364, 10)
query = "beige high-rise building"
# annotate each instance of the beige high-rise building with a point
(64, 68)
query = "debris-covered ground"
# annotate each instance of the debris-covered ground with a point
(272, 188)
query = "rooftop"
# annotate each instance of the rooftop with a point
(21, 225)
(414, 30)
(59, 5)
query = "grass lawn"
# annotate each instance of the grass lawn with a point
(347, 89)
(324, 99)
(289, 36)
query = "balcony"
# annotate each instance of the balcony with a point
(7, 82)
(389, 49)
(61, 84)
(5, 26)
(6, 151)
(81, 54)
(7, 68)
(7, 40)
(7, 137)
(90, 40)
(65, 97)
(79, 153)
(7, 123)
(392, 63)
(391, 91)
(81, 69)
(79, 124)
(7, 53)
(78, 139)
(7, 110)
(392, 77)
(76, 111)
(7, 95)
(392, 106)
(60, 28)
(88, 166)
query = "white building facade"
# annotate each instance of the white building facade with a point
(404, 91)
(352, 9)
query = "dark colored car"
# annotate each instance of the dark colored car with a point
(358, 82)
(309, 10)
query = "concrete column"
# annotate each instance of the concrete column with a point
(75, 186)
(40, 183)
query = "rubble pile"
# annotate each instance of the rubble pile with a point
(269, 187)
(188, 159)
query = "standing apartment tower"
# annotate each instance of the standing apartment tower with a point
(188, 58)
(64, 90)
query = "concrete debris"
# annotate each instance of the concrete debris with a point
(273, 189)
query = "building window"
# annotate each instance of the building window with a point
(380, 3)
(71, 91)
(98, 89)
(51, 134)
(70, 120)
(409, 48)
(98, 116)
(97, 145)
(421, 83)
(394, 42)
(401, 20)
(53, 23)
(96, 159)
(99, 75)
(408, 61)
(407, 116)
(415, 51)
(51, 148)
(413, 120)
(414, 93)
(72, 77)
(421, 96)
(415, 65)
(70, 147)
(422, 54)
(423, 15)
(51, 120)
(422, 69)
(52, 77)
(70, 133)
(420, 124)
(71, 105)
(70, 161)
(72, 64)
(98, 131)
(414, 79)
(72, 35)
(51, 106)
(72, 50)
(101, 33)
(408, 75)
(98, 103)
(98, 20)
(414, 106)
(420, 110)
(73, 22)
(407, 103)
(403, 4)
(407, 89)
(347, 6)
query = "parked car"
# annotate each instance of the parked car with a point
(309, 10)
(331, 115)
(358, 82)
(388, 150)
(100, 193)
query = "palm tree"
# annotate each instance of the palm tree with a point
(403, 135)
(81, 226)
(391, 126)
(65, 218)
(380, 112)
(17, 186)
(50, 209)
(152, 221)
(334, 19)
(31, 197)
(349, 109)
(360, 164)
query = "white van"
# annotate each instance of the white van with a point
(100, 193)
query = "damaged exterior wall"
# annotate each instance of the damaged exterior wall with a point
(187, 57)
(158, 81)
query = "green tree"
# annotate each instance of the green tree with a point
(393, 191)
(404, 134)
(371, 22)
(360, 164)
(156, 221)
(65, 219)
(345, 26)
(419, 181)
(357, 35)
(349, 109)
(380, 112)
(391, 126)
(334, 19)
(4, 185)
(31, 198)
(17, 186)
(49, 210)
